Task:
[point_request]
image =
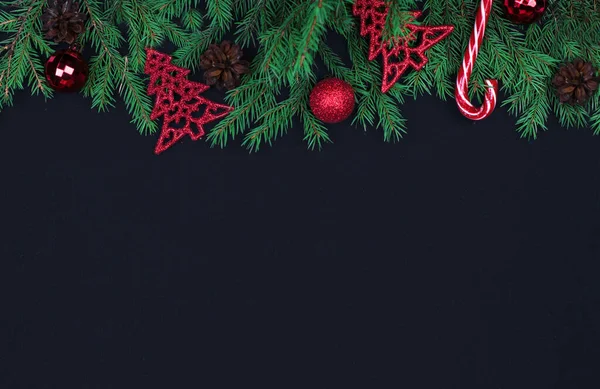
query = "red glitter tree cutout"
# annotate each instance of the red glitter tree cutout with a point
(178, 100)
(405, 52)
(373, 14)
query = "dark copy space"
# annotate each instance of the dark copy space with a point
(461, 257)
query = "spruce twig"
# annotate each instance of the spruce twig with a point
(20, 64)
(291, 38)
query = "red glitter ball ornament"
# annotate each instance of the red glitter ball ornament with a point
(332, 100)
(524, 11)
(66, 71)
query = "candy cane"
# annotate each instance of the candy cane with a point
(462, 81)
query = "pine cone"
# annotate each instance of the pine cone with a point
(223, 65)
(62, 21)
(575, 82)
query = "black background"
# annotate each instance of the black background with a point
(461, 257)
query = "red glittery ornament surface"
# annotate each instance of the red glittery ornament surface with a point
(404, 53)
(66, 71)
(373, 14)
(332, 100)
(524, 11)
(178, 99)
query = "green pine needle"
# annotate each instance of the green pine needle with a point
(291, 40)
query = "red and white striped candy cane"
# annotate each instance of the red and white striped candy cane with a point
(462, 81)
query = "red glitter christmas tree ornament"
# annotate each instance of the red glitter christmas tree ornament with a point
(373, 14)
(178, 100)
(405, 52)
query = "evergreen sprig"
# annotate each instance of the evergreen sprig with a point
(20, 61)
(117, 55)
(291, 37)
(522, 58)
(292, 40)
(149, 23)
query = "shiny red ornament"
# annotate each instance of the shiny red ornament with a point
(66, 71)
(332, 100)
(178, 99)
(524, 11)
(405, 52)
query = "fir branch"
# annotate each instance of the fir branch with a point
(342, 21)
(174, 33)
(278, 48)
(233, 124)
(315, 133)
(363, 73)
(333, 62)
(7, 21)
(308, 38)
(143, 31)
(390, 118)
(533, 116)
(36, 68)
(221, 14)
(366, 111)
(138, 103)
(105, 39)
(102, 82)
(276, 53)
(111, 72)
(399, 15)
(523, 74)
(249, 101)
(273, 124)
(291, 35)
(101, 34)
(253, 22)
(172, 9)
(41, 45)
(192, 20)
(188, 55)
(570, 116)
(595, 121)
(19, 62)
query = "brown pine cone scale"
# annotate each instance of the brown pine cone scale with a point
(62, 21)
(223, 65)
(576, 82)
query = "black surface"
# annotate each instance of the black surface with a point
(462, 257)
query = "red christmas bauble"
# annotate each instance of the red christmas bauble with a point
(66, 71)
(524, 11)
(332, 100)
